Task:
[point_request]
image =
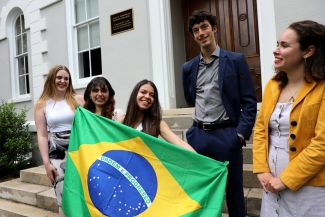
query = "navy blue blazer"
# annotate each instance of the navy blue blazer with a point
(236, 88)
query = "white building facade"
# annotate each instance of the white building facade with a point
(37, 34)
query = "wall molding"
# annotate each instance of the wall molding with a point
(36, 24)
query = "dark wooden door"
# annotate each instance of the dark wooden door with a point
(237, 31)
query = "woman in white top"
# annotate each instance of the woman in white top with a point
(55, 110)
(99, 99)
(144, 114)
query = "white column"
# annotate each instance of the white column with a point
(267, 38)
(162, 52)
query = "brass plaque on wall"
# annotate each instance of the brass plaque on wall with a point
(122, 21)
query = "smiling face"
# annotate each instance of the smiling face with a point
(288, 56)
(62, 81)
(145, 97)
(203, 34)
(99, 95)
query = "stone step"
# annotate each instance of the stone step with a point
(178, 122)
(253, 199)
(35, 175)
(178, 111)
(47, 200)
(250, 179)
(13, 209)
(32, 194)
(248, 154)
(44, 196)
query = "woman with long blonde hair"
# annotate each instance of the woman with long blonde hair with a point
(55, 111)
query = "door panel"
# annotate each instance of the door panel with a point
(237, 31)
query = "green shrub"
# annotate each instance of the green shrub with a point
(15, 140)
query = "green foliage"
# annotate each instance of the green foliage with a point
(15, 140)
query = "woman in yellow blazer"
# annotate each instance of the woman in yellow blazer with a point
(289, 135)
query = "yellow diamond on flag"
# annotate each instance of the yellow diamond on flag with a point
(126, 177)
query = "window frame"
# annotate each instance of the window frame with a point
(23, 55)
(73, 45)
(14, 58)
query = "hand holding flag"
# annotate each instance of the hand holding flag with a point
(114, 170)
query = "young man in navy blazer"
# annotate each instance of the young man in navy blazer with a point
(219, 85)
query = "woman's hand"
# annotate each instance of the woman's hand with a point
(121, 119)
(276, 185)
(50, 171)
(80, 99)
(171, 137)
(264, 179)
(42, 138)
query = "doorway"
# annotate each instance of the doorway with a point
(237, 31)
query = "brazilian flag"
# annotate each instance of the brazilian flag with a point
(114, 170)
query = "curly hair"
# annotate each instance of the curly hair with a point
(198, 17)
(152, 117)
(49, 90)
(309, 33)
(103, 83)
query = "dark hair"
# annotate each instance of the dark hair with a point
(108, 108)
(309, 33)
(152, 116)
(198, 17)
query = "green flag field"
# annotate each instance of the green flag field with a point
(114, 170)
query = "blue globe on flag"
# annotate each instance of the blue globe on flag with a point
(122, 183)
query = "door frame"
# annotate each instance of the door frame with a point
(162, 51)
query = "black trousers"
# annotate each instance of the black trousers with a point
(223, 144)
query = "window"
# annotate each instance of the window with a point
(88, 38)
(21, 59)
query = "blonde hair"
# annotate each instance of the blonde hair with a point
(49, 90)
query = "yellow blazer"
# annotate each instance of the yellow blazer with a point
(306, 135)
